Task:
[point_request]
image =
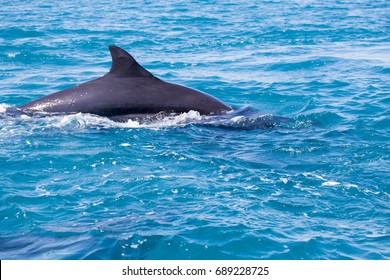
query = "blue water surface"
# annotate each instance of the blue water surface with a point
(193, 187)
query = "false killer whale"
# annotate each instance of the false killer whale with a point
(127, 90)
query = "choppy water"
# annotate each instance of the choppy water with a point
(189, 187)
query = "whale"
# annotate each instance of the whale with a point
(128, 90)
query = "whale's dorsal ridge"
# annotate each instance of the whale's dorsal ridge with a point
(124, 65)
(126, 91)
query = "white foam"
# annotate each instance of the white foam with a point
(348, 185)
(3, 107)
(175, 120)
(80, 120)
(311, 175)
(12, 54)
(238, 118)
(26, 125)
(330, 184)
(284, 180)
(125, 144)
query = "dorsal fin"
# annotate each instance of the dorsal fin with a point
(124, 65)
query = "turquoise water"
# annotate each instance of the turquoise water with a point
(187, 186)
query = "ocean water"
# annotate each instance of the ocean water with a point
(192, 187)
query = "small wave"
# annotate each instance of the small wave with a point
(317, 118)
(303, 64)
(159, 121)
(246, 119)
(13, 118)
(247, 123)
(241, 119)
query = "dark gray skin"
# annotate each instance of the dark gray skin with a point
(127, 90)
